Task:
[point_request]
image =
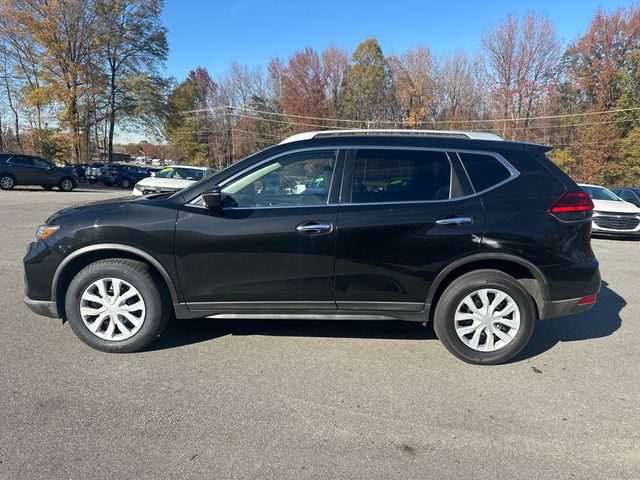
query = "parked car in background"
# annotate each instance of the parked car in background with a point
(628, 194)
(171, 179)
(92, 172)
(478, 235)
(611, 215)
(80, 171)
(30, 170)
(122, 175)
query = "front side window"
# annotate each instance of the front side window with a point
(303, 178)
(400, 176)
(40, 163)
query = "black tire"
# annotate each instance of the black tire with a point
(48, 188)
(82, 179)
(125, 183)
(66, 184)
(455, 293)
(92, 181)
(151, 287)
(7, 181)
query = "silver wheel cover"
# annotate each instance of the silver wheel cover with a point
(487, 320)
(112, 309)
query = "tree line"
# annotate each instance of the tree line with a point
(98, 72)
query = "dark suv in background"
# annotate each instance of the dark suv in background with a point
(479, 236)
(18, 169)
(124, 175)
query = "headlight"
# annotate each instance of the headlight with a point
(137, 187)
(44, 231)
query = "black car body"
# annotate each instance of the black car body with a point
(368, 247)
(19, 169)
(628, 194)
(123, 175)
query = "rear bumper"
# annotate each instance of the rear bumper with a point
(42, 307)
(560, 308)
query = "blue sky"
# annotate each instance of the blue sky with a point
(213, 33)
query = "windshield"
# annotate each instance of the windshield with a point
(600, 193)
(181, 173)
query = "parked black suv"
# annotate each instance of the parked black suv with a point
(18, 169)
(479, 236)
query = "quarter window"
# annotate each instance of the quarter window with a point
(484, 171)
(303, 178)
(400, 176)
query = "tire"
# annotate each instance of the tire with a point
(453, 315)
(82, 179)
(92, 181)
(156, 305)
(48, 188)
(125, 183)
(7, 182)
(66, 184)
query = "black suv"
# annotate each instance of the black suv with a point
(18, 169)
(477, 235)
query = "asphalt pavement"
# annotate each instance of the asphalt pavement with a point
(292, 399)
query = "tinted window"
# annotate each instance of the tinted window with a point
(400, 176)
(628, 195)
(40, 163)
(296, 179)
(19, 160)
(599, 193)
(181, 173)
(484, 170)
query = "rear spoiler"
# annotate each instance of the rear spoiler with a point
(536, 148)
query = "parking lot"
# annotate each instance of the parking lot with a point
(291, 399)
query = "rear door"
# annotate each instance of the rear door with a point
(404, 215)
(23, 168)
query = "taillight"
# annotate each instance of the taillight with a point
(572, 202)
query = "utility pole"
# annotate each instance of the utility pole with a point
(233, 142)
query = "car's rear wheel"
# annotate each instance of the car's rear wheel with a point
(7, 182)
(117, 305)
(82, 179)
(125, 183)
(66, 184)
(485, 317)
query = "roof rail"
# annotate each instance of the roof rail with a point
(390, 131)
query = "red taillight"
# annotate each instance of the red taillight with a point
(587, 300)
(572, 202)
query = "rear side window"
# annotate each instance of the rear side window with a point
(400, 176)
(484, 171)
(19, 160)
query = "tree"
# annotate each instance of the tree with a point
(367, 84)
(521, 56)
(335, 62)
(133, 42)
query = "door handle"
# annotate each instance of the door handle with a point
(315, 227)
(454, 221)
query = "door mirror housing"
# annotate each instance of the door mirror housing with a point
(212, 199)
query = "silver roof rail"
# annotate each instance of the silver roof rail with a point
(390, 131)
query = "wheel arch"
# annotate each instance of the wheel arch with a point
(529, 276)
(82, 257)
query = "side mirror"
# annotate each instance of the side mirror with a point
(213, 198)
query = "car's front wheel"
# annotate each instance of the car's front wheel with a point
(66, 184)
(485, 317)
(125, 183)
(7, 182)
(117, 305)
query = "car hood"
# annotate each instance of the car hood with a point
(615, 206)
(165, 183)
(94, 206)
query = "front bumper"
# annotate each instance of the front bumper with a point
(45, 308)
(611, 224)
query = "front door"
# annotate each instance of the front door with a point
(272, 245)
(407, 214)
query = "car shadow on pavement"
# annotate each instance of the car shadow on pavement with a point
(601, 321)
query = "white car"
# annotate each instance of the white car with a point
(170, 179)
(611, 214)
